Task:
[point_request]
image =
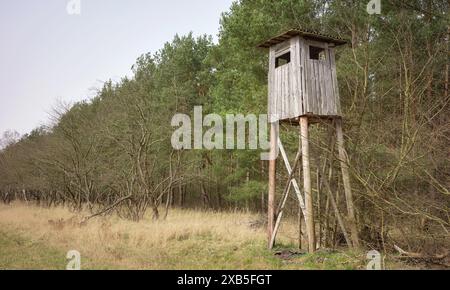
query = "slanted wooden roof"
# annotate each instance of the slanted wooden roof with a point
(304, 33)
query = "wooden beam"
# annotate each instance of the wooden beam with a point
(294, 181)
(272, 182)
(346, 181)
(309, 214)
(285, 195)
(324, 180)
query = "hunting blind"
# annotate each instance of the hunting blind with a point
(302, 75)
(303, 89)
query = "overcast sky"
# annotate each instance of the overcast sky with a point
(46, 54)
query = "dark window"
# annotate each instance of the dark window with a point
(317, 53)
(283, 59)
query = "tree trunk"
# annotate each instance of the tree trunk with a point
(205, 196)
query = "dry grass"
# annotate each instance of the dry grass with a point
(187, 239)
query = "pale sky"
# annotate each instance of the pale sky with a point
(47, 55)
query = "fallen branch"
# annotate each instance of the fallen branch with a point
(406, 254)
(107, 209)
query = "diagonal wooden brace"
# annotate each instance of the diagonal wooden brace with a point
(294, 181)
(291, 182)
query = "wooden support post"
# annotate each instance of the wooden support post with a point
(324, 180)
(301, 207)
(319, 210)
(309, 215)
(299, 220)
(272, 182)
(346, 181)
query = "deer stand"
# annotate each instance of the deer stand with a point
(305, 198)
(302, 89)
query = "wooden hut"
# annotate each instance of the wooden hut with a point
(302, 75)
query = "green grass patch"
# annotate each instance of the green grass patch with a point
(19, 253)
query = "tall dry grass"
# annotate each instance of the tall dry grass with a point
(186, 239)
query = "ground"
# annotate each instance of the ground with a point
(39, 238)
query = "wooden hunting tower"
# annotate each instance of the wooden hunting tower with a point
(303, 89)
(302, 75)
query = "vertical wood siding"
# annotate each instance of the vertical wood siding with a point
(304, 86)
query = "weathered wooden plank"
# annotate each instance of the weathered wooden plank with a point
(272, 86)
(303, 90)
(298, 77)
(278, 92)
(323, 72)
(301, 76)
(287, 75)
(281, 104)
(303, 57)
(314, 98)
(312, 82)
(325, 96)
(285, 84)
(321, 82)
(335, 83)
(295, 78)
(309, 84)
(313, 87)
(286, 90)
(327, 76)
(331, 96)
(290, 108)
(329, 92)
(329, 85)
(318, 81)
(317, 98)
(304, 85)
(316, 88)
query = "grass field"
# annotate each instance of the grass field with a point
(38, 238)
